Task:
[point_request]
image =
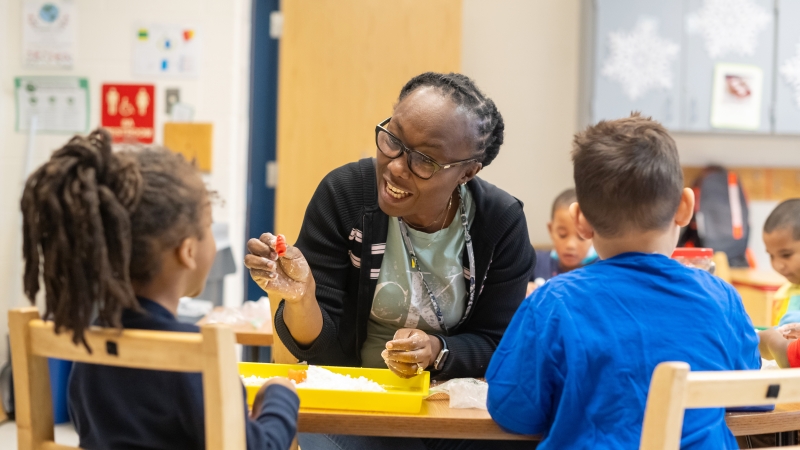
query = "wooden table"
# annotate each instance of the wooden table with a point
(786, 417)
(246, 334)
(757, 288)
(435, 420)
(438, 420)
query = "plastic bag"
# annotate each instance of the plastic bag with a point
(256, 313)
(463, 392)
(228, 316)
(767, 364)
(250, 313)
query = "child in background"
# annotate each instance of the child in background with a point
(782, 239)
(576, 361)
(122, 237)
(570, 250)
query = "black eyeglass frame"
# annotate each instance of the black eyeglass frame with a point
(408, 151)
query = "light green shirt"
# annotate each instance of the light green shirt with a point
(401, 300)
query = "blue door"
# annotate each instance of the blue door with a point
(263, 131)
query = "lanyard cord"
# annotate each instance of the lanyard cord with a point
(470, 254)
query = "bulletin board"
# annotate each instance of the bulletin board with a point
(787, 86)
(637, 62)
(711, 42)
(698, 65)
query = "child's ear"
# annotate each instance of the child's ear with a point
(685, 208)
(583, 227)
(550, 227)
(187, 253)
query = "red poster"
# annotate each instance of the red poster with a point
(128, 112)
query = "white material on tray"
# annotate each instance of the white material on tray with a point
(319, 378)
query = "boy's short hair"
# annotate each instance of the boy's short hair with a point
(785, 215)
(564, 200)
(627, 175)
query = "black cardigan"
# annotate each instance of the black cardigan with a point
(343, 237)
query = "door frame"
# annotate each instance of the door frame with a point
(263, 129)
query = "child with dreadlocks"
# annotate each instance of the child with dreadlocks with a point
(123, 236)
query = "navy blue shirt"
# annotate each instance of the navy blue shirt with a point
(576, 360)
(122, 408)
(547, 264)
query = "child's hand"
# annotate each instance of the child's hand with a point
(790, 330)
(258, 402)
(287, 277)
(772, 345)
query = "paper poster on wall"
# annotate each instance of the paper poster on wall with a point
(60, 104)
(128, 112)
(49, 33)
(192, 140)
(736, 97)
(167, 50)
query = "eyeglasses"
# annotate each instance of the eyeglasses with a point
(419, 163)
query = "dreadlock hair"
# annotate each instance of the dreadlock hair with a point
(463, 92)
(95, 221)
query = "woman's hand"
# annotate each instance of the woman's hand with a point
(258, 402)
(410, 352)
(288, 277)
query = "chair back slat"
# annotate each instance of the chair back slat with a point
(210, 352)
(141, 349)
(742, 388)
(673, 388)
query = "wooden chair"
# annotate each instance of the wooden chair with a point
(674, 388)
(722, 267)
(210, 352)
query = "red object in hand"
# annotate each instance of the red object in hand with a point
(280, 245)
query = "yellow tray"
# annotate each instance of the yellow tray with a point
(403, 394)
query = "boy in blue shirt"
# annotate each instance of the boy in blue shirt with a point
(576, 360)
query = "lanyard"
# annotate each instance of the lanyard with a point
(470, 254)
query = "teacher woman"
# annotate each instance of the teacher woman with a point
(406, 261)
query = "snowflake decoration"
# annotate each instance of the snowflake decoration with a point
(790, 70)
(640, 60)
(729, 26)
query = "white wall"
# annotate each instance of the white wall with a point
(219, 95)
(526, 56)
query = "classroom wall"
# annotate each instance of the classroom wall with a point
(526, 56)
(531, 58)
(219, 95)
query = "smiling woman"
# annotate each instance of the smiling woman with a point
(407, 260)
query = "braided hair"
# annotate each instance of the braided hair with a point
(463, 92)
(95, 221)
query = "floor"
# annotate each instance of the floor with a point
(65, 434)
